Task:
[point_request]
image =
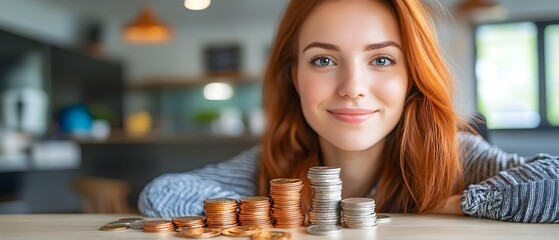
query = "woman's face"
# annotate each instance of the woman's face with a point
(351, 73)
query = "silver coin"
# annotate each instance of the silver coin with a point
(324, 210)
(381, 218)
(355, 221)
(358, 201)
(117, 222)
(324, 183)
(324, 222)
(323, 229)
(325, 169)
(322, 174)
(362, 227)
(138, 224)
(130, 219)
(324, 214)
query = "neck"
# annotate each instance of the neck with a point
(360, 169)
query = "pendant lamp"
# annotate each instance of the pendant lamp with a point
(480, 10)
(197, 4)
(146, 29)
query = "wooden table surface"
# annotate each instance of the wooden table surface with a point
(410, 226)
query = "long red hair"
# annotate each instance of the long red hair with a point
(422, 167)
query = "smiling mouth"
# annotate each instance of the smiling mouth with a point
(352, 116)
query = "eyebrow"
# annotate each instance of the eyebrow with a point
(326, 46)
(368, 47)
(384, 44)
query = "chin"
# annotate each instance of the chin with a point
(354, 145)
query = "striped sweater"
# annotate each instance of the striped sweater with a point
(500, 186)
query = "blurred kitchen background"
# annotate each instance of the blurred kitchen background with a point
(93, 106)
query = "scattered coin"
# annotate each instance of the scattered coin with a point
(323, 229)
(130, 219)
(200, 232)
(114, 227)
(138, 224)
(381, 218)
(240, 231)
(271, 235)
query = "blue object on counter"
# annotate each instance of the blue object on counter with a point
(75, 120)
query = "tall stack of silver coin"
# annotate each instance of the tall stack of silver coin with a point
(326, 187)
(359, 213)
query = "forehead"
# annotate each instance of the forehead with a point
(353, 22)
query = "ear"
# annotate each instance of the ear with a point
(294, 79)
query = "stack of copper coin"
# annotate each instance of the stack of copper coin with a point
(286, 202)
(156, 226)
(255, 212)
(221, 212)
(188, 222)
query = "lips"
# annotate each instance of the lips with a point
(352, 115)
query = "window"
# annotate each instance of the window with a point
(552, 73)
(517, 87)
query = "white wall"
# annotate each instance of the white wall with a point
(40, 20)
(182, 57)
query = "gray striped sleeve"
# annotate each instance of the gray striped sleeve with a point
(520, 190)
(183, 194)
(482, 160)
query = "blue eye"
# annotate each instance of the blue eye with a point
(383, 61)
(323, 61)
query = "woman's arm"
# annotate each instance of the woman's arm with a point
(520, 190)
(183, 194)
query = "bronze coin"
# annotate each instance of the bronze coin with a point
(114, 227)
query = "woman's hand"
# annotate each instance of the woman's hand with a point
(451, 206)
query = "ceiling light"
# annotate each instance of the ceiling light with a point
(197, 4)
(218, 91)
(480, 10)
(146, 29)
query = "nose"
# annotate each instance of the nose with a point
(353, 80)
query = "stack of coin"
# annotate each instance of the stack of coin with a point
(326, 187)
(255, 212)
(359, 213)
(156, 226)
(286, 202)
(221, 212)
(188, 222)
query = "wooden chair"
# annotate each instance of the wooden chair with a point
(102, 195)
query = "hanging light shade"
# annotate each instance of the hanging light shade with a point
(197, 4)
(480, 10)
(146, 29)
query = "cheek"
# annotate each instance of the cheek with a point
(313, 88)
(393, 91)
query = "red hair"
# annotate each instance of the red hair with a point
(422, 167)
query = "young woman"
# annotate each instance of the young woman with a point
(360, 84)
